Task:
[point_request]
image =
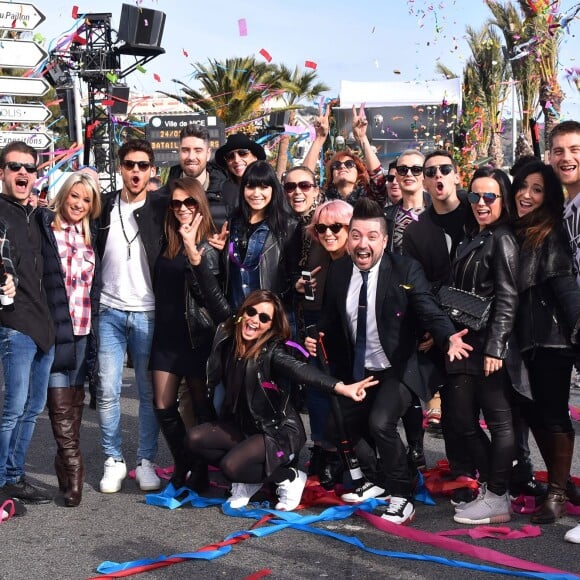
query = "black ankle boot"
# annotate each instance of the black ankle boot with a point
(331, 470)
(316, 460)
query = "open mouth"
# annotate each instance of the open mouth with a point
(440, 187)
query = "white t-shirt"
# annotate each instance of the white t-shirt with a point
(126, 277)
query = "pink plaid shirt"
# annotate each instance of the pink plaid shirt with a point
(78, 264)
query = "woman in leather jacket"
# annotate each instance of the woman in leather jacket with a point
(264, 243)
(181, 340)
(486, 265)
(258, 433)
(547, 325)
(71, 278)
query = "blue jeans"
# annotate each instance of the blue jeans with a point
(26, 370)
(120, 331)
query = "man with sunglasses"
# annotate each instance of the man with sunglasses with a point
(432, 241)
(409, 176)
(128, 243)
(26, 330)
(195, 161)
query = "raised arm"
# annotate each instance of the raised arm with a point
(322, 127)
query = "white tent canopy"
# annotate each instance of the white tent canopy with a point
(392, 94)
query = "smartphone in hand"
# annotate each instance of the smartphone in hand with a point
(308, 290)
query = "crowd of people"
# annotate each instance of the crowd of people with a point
(413, 298)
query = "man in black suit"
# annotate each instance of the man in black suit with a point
(382, 344)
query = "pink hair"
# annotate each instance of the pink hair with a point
(334, 211)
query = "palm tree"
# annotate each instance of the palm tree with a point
(296, 86)
(232, 90)
(539, 20)
(522, 63)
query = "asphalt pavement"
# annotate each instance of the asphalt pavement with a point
(54, 542)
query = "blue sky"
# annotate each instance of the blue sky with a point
(362, 40)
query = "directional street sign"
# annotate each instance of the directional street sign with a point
(36, 140)
(19, 16)
(34, 113)
(20, 53)
(23, 86)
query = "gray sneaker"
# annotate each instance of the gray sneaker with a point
(488, 508)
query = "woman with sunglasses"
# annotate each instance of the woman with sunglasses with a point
(486, 265)
(263, 243)
(349, 177)
(547, 325)
(72, 281)
(258, 434)
(180, 347)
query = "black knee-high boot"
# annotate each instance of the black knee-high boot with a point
(173, 430)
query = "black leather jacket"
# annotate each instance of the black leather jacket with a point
(549, 309)
(487, 265)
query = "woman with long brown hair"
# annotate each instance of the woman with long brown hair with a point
(181, 342)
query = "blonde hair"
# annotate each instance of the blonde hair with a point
(92, 187)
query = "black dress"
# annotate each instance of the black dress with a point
(171, 350)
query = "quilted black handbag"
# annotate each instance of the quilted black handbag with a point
(465, 308)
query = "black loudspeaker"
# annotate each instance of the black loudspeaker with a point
(66, 96)
(141, 27)
(57, 75)
(279, 119)
(120, 96)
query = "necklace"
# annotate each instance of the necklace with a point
(129, 242)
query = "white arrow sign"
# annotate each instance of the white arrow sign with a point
(23, 86)
(34, 113)
(19, 16)
(36, 140)
(21, 53)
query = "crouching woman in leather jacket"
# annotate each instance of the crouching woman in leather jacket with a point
(547, 325)
(259, 433)
(486, 265)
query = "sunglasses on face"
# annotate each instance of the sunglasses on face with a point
(230, 155)
(488, 197)
(130, 165)
(390, 178)
(334, 228)
(349, 164)
(14, 166)
(262, 316)
(188, 202)
(416, 170)
(431, 171)
(291, 186)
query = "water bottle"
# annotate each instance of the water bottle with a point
(6, 302)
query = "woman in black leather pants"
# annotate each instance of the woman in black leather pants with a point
(486, 265)
(547, 324)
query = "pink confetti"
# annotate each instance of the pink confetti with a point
(266, 54)
(243, 27)
(310, 64)
(157, 77)
(75, 12)
(279, 453)
(185, 53)
(146, 22)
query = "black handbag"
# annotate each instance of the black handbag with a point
(465, 308)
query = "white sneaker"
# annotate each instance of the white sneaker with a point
(115, 473)
(242, 493)
(573, 535)
(290, 492)
(146, 477)
(366, 491)
(488, 508)
(399, 511)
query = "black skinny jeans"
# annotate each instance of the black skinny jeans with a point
(467, 395)
(550, 372)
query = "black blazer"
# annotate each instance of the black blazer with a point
(404, 305)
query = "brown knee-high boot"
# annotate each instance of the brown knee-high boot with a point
(557, 450)
(65, 409)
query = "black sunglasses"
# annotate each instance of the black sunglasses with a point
(416, 170)
(240, 152)
(431, 171)
(188, 202)
(349, 164)
(334, 228)
(128, 164)
(390, 178)
(262, 316)
(488, 197)
(291, 186)
(14, 166)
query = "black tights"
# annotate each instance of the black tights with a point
(241, 459)
(467, 395)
